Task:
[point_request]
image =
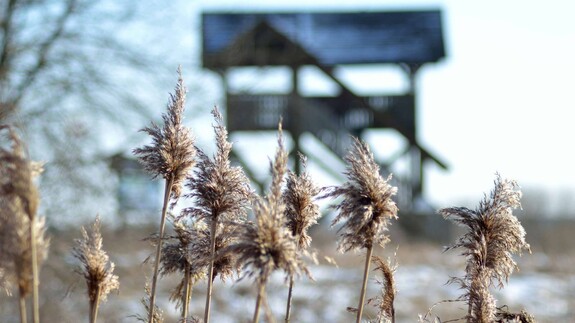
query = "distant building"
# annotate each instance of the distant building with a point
(326, 40)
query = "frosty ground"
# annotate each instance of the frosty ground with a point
(544, 286)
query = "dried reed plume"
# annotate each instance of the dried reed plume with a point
(224, 264)
(367, 206)
(4, 283)
(267, 244)
(18, 173)
(16, 250)
(221, 194)
(177, 257)
(503, 316)
(494, 235)
(22, 234)
(301, 210)
(171, 156)
(301, 213)
(172, 153)
(96, 267)
(157, 315)
(384, 303)
(188, 252)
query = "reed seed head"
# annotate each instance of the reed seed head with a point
(176, 248)
(278, 169)
(220, 191)
(384, 303)
(19, 200)
(493, 235)
(4, 282)
(172, 153)
(267, 244)
(367, 204)
(191, 246)
(177, 256)
(301, 211)
(504, 316)
(145, 301)
(15, 246)
(17, 173)
(96, 267)
(225, 264)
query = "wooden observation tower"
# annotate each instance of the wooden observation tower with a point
(327, 40)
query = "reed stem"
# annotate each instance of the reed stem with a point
(167, 193)
(94, 305)
(187, 292)
(211, 269)
(364, 285)
(262, 287)
(35, 280)
(190, 290)
(23, 318)
(288, 309)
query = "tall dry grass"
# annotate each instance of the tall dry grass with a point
(23, 244)
(301, 212)
(170, 156)
(220, 193)
(96, 267)
(155, 315)
(366, 207)
(213, 237)
(177, 258)
(385, 301)
(268, 245)
(493, 236)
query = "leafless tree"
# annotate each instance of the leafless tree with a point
(72, 72)
(54, 51)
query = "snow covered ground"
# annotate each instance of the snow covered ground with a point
(545, 287)
(548, 297)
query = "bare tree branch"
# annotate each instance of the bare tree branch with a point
(70, 71)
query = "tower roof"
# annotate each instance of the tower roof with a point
(337, 38)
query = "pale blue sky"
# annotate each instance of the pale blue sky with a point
(502, 100)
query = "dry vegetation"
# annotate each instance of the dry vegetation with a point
(217, 237)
